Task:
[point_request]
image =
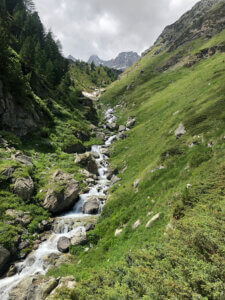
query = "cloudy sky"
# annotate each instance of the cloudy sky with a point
(108, 27)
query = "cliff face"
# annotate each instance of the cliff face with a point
(16, 118)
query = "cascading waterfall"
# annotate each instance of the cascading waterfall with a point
(34, 264)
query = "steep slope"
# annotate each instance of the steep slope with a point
(161, 233)
(122, 62)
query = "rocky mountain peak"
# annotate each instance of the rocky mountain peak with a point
(192, 25)
(122, 62)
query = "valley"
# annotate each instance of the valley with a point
(112, 184)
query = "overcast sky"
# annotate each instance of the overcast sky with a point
(108, 27)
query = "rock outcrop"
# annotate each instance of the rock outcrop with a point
(20, 217)
(199, 21)
(87, 160)
(24, 187)
(15, 117)
(180, 131)
(63, 244)
(122, 62)
(79, 238)
(63, 194)
(4, 259)
(91, 206)
(33, 288)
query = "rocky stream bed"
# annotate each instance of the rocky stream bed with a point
(25, 280)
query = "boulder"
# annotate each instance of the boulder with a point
(64, 196)
(96, 155)
(33, 288)
(24, 187)
(23, 159)
(89, 226)
(23, 245)
(20, 217)
(112, 126)
(136, 224)
(63, 244)
(118, 232)
(80, 238)
(115, 179)
(153, 219)
(111, 172)
(136, 183)
(122, 128)
(75, 148)
(91, 206)
(64, 283)
(121, 136)
(4, 259)
(180, 131)
(87, 161)
(105, 151)
(130, 122)
(8, 172)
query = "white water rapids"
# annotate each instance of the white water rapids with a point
(34, 263)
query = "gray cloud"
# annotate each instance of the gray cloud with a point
(106, 27)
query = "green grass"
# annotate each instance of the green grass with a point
(186, 262)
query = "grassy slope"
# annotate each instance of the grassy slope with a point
(87, 77)
(187, 262)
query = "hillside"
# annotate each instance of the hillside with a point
(120, 197)
(44, 120)
(88, 76)
(161, 232)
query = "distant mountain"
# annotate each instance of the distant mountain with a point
(122, 62)
(70, 57)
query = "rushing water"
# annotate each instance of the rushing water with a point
(34, 263)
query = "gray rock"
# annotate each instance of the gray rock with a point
(79, 239)
(64, 283)
(111, 171)
(89, 226)
(23, 159)
(122, 128)
(130, 122)
(105, 151)
(153, 219)
(64, 196)
(23, 245)
(20, 217)
(112, 126)
(115, 179)
(12, 271)
(95, 154)
(121, 136)
(16, 118)
(33, 288)
(24, 187)
(8, 172)
(136, 224)
(4, 259)
(87, 161)
(63, 244)
(91, 206)
(180, 131)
